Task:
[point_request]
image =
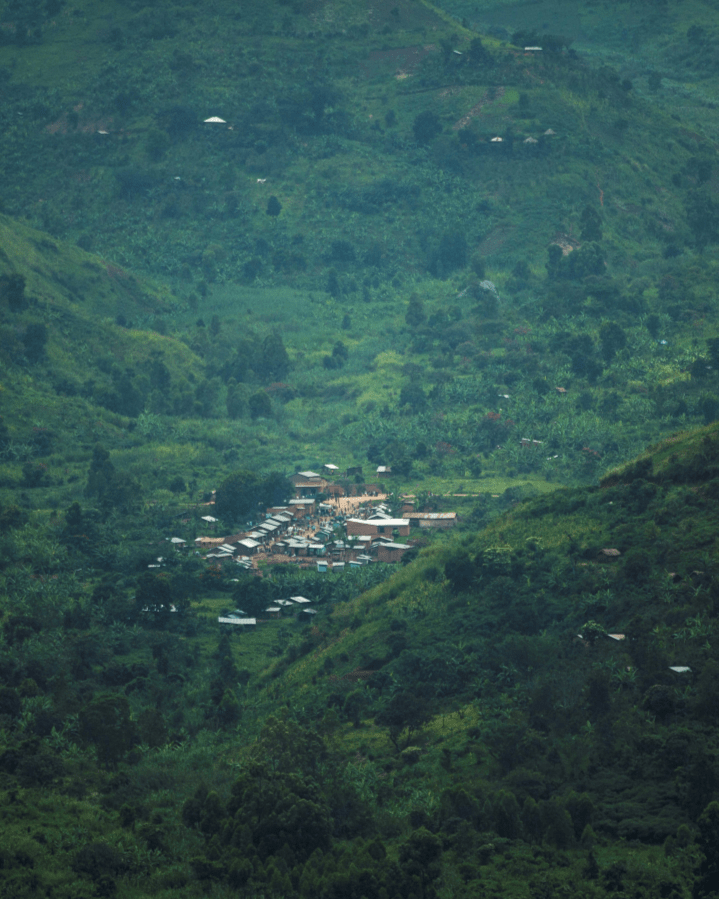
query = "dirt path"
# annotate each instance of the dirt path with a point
(348, 505)
(475, 110)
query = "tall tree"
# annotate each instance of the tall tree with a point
(273, 363)
(703, 218)
(106, 722)
(238, 495)
(274, 207)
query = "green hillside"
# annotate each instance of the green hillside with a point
(407, 242)
(351, 244)
(431, 287)
(500, 717)
(666, 50)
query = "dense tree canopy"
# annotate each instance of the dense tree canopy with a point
(245, 492)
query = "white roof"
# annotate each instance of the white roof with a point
(237, 620)
(617, 636)
(680, 669)
(331, 466)
(208, 518)
(272, 609)
(382, 522)
(249, 543)
(214, 119)
(177, 540)
(497, 140)
(309, 474)
(301, 599)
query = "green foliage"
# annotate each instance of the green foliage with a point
(12, 291)
(403, 713)
(520, 732)
(242, 493)
(105, 722)
(274, 207)
(702, 218)
(426, 127)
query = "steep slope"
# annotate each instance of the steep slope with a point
(320, 103)
(667, 51)
(523, 710)
(432, 284)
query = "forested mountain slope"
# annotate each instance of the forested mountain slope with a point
(519, 711)
(359, 265)
(667, 51)
(407, 243)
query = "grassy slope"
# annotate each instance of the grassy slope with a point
(362, 66)
(538, 577)
(481, 627)
(517, 702)
(356, 177)
(567, 522)
(639, 39)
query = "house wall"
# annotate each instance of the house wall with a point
(387, 554)
(374, 528)
(302, 510)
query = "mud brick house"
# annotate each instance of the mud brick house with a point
(358, 527)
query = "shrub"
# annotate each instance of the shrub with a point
(426, 127)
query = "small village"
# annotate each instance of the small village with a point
(320, 528)
(303, 532)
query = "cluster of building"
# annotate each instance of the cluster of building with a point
(322, 528)
(295, 605)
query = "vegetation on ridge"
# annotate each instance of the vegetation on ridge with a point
(409, 243)
(501, 715)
